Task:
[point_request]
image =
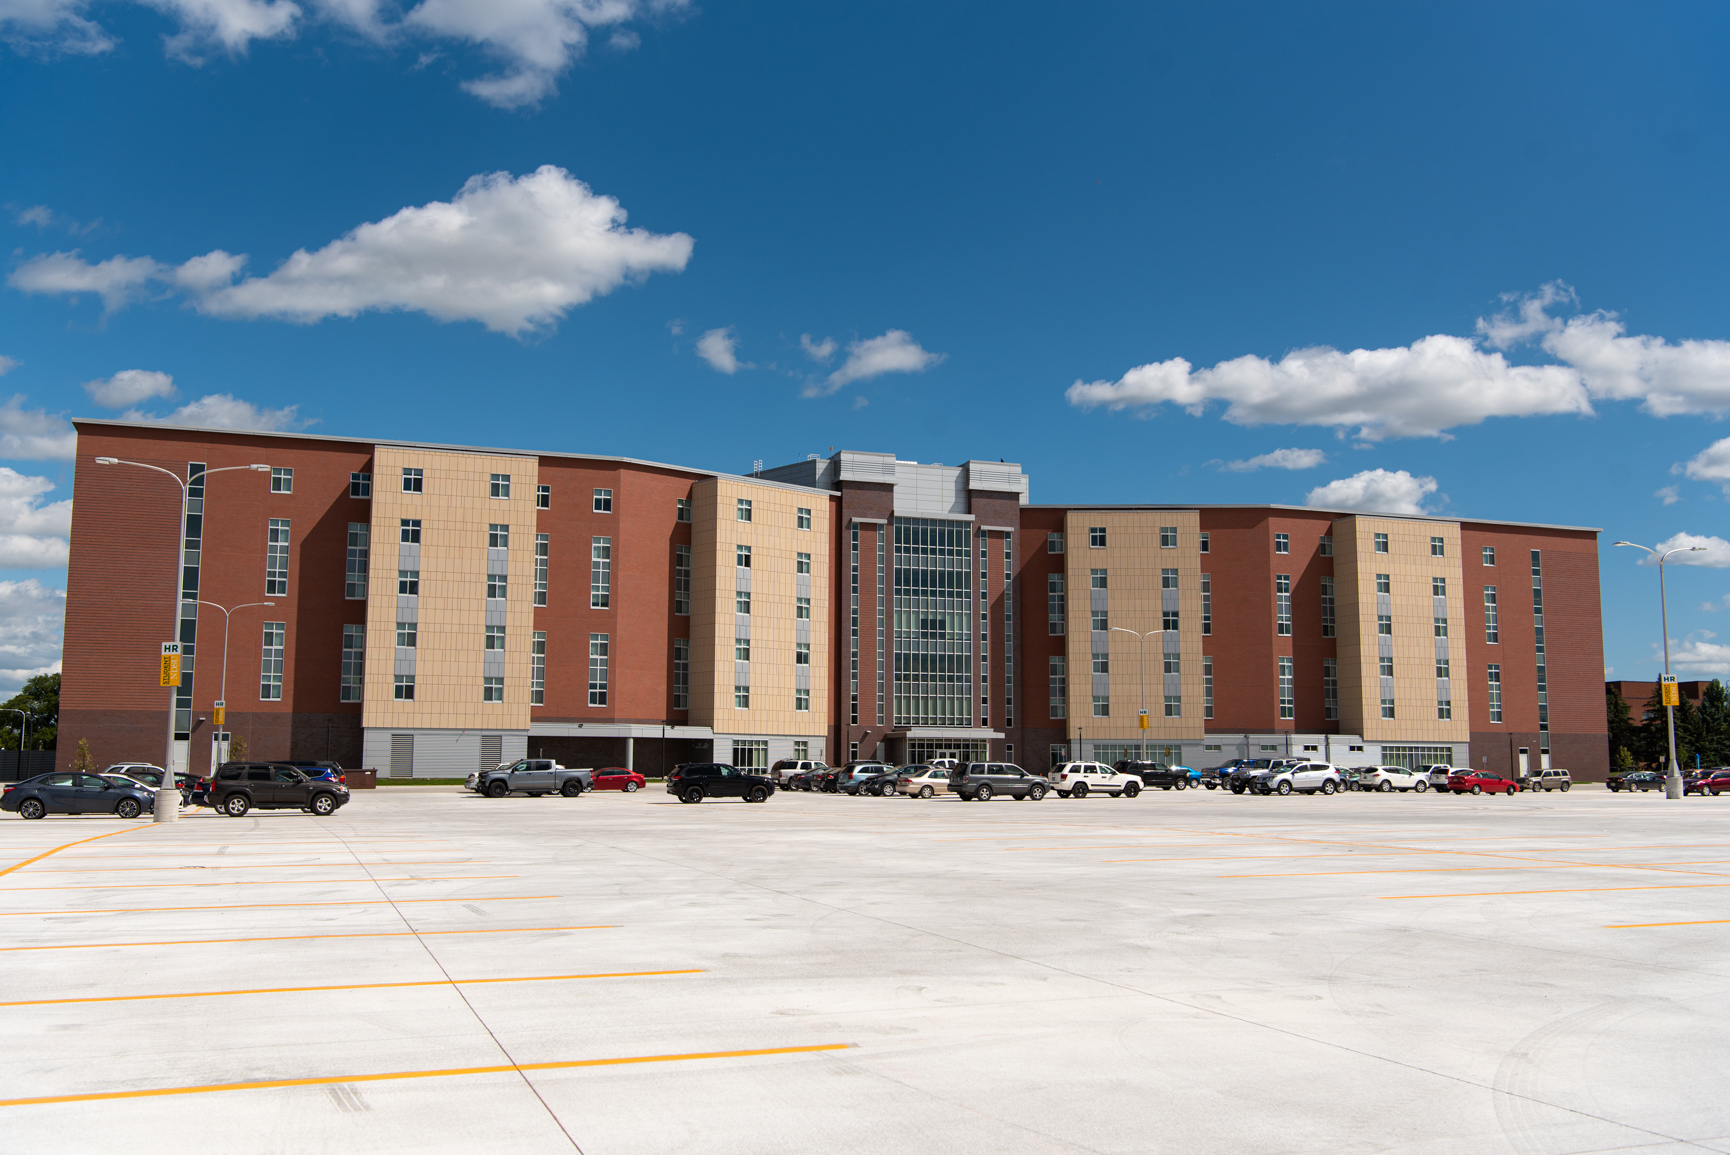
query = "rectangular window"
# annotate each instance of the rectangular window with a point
(801, 653)
(603, 501)
(597, 669)
(1385, 624)
(600, 573)
(684, 505)
(407, 635)
(360, 485)
(1441, 627)
(1387, 708)
(741, 510)
(1206, 604)
(1330, 689)
(681, 673)
(1381, 543)
(498, 536)
(802, 751)
(543, 497)
(1282, 603)
(359, 550)
(741, 649)
(1386, 666)
(541, 559)
(271, 661)
(1096, 536)
(1054, 543)
(495, 639)
(1282, 543)
(742, 601)
(801, 563)
(408, 531)
(1167, 579)
(1495, 680)
(742, 556)
(681, 579)
(803, 518)
(1441, 669)
(1438, 547)
(1174, 705)
(1327, 549)
(1168, 620)
(1384, 584)
(741, 697)
(1492, 628)
(403, 688)
(408, 582)
(496, 587)
(1207, 688)
(1173, 664)
(802, 608)
(1102, 705)
(492, 689)
(500, 487)
(1168, 537)
(1329, 623)
(412, 482)
(1102, 661)
(538, 668)
(276, 559)
(1444, 710)
(801, 699)
(1058, 676)
(281, 479)
(1287, 703)
(1101, 620)
(353, 662)
(1438, 587)
(1097, 579)
(1204, 543)
(1489, 555)
(1054, 604)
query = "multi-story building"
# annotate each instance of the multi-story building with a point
(609, 611)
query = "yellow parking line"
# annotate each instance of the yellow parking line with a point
(1690, 922)
(302, 937)
(347, 987)
(259, 866)
(272, 905)
(259, 882)
(67, 846)
(1571, 890)
(448, 1072)
(1529, 866)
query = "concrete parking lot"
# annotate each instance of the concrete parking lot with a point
(1187, 972)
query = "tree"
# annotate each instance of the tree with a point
(1714, 725)
(40, 698)
(237, 748)
(81, 759)
(1623, 733)
(1622, 761)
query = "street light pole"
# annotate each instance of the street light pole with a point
(167, 797)
(1142, 651)
(1673, 777)
(223, 692)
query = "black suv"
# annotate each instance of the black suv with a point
(237, 787)
(695, 781)
(983, 781)
(1155, 774)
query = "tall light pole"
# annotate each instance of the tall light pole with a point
(223, 693)
(167, 797)
(1142, 648)
(1673, 778)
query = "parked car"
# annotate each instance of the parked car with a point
(1155, 774)
(1714, 782)
(616, 778)
(879, 785)
(238, 787)
(1212, 777)
(854, 775)
(1439, 774)
(922, 780)
(1243, 772)
(531, 776)
(802, 779)
(983, 781)
(944, 763)
(1079, 779)
(73, 793)
(152, 776)
(329, 771)
(1642, 780)
(784, 770)
(1548, 780)
(1298, 778)
(1474, 782)
(695, 781)
(1387, 779)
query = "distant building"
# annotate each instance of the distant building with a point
(1637, 694)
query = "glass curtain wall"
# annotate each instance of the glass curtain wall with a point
(933, 622)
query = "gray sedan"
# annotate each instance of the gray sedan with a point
(67, 793)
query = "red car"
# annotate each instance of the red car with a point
(1711, 784)
(1471, 782)
(618, 778)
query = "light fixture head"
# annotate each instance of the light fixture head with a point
(108, 461)
(259, 468)
(1696, 549)
(1624, 543)
(271, 604)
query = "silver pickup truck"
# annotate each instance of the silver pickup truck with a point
(531, 776)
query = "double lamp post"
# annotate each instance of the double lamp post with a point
(1672, 777)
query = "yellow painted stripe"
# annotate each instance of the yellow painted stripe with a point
(1569, 890)
(260, 882)
(1664, 866)
(345, 864)
(273, 905)
(344, 987)
(68, 846)
(1690, 922)
(302, 937)
(502, 1068)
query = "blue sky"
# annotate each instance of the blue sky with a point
(950, 231)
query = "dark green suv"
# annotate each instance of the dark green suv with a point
(983, 781)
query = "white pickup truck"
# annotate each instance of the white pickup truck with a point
(531, 776)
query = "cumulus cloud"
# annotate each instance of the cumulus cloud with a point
(225, 411)
(7, 364)
(1375, 491)
(894, 352)
(514, 253)
(51, 27)
(1715, 551)
(1669, 494)
(32, 620)
(817, 350)
(129, 387)
(1439, 382)
(34, 434)
(719, 348)
(1698, 655)
(1710, 464)
(1279, 459)
(32, 535)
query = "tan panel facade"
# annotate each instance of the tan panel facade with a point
(1412, 567)
(1136, 597)
(773, 628)
(455, 510)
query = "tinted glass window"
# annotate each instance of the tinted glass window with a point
(288, 776)
(258, 775)
(91, 782)
(57, 780)
(231, 775)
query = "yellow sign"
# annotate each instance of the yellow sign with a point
(219, 715)
(1672, 692)
(171, 669)
(1141, 720)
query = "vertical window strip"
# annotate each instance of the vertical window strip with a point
(1207, 688)
(681, 579)
(538, 669)
(1009, 629)
(1538, 642)
(353, 662)
(882, 636)
(853, 652)
(1059, 678)
(1492, 622)
(276, 558)
(1495, 681)
(542, 547)
(601, 573)
(1287, 700)
(1055, 611)
(359, 547)
(1329, 623)
(1206, 605)
(271, 660)
(681, 673)
(1282, 604)
(1331, 689)
(189, 579)
(597, 669)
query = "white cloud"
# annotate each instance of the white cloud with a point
(50, 27)
(894, 352)
(1375, 491)
(1280, 459)
(225, 411)
(718, 347)
(1699, 656)
(1710, 464)
(32, 619)
(226, 25)
(32, 535)
(624, 40)
(1714, 607)
(1716, 553)
(7, 364)
(861, 402)
(38, 215)
(817, 350)
(1669, 493)
(129, 387)
(34, 434)
(514, 253)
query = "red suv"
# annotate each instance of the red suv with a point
(1713, 782)
(1472, 782)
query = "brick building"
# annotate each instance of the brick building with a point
(437, 608)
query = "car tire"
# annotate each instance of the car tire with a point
(570, 789)
(1385, 787)
(1132, 789)
(1237, 789)
(926, 792)
(691, 794)
(1476, 789)
(983, 794)
(1284, 788)
(1036, 792)
(1328, 787)
(498, 789)
(757, 794)
(1180, 784)
(236, 805)
(323, 805)
(127, 808)
(1079, 790)
(630, 788)
(1213, 785)
(31, 808)
(1421, 786)
(1565, 786)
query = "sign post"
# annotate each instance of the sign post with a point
(220, 714)
(1141, 720)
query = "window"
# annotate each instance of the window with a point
(801, 563)
(1327, 549)
(1495, 680)
(360, 485)
(500, 487)
(681, 673)
(1173, 664)
(408, 532)
(600, 573)
(1168, 537)
(276, 559)
(1387, 708)
(742, 556)
(597, 669)
(1168, 620)
(353, 662)
(1441, 669)
(498, 536)
(412, 482)
(407, 635)
(1386, 666)
(1441, 627)
(408, 582)
(1167, 579)
(802, 608)
(492, 689)
(681, 579)
(1492, 628)
(1058, 677)
(359, 548)
(801, 653)
(495, 638)
(1385, 624)
(1381, 543)
(1102, 705)
(543, 497)
(741, 649)
(403, 689)
(1282, 603)
(1489, 555)
(1206, 604)
(1438, 547)
(1101, 620)
(1054, 607)
(1096, 536)
(742, 602)
(1438, 587)
(271, 661)
(1207, 688)
(1054, 543)
(741, 697)
(1444, 710)
(1287, 704)
(741, 510)
(801, 699)
(1174, 705)
(603, 501)
(1204, 543)
(1281, 543)
(1102, 661)
(684, 504)
(802, 519)
(1330, 689)
(1096, 579)
(538, 668)
(1329, 624)
(541, 559)
(496, 587)
(281, 479)
(1384, 584)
